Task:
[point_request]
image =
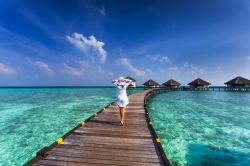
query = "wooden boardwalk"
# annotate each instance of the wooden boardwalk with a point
(103, 141)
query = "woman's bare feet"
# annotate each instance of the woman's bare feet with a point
(122, 123)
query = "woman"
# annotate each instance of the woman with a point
(122, 98)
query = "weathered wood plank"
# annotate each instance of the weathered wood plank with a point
(109, 139)
(98, 161)
(109, 157)
(97, 153)
(110, 150)
(107, 146)
(89, 142)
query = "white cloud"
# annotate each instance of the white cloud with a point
(44, 67)
(158, 58)
(72, 70)
(127, 64)
(7, 70)
(88, 45)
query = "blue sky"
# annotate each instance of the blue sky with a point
(71, 43)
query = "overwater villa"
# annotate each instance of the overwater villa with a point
(199, 83)
(238, 82)
(151, 83)
(133, 83)
(171, 84)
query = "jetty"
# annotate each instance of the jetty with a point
(102, 140)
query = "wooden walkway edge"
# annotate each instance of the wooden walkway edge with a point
(101, 140)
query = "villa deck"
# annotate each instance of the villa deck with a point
(101, 140)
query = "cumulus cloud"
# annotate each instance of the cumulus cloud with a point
(158, 58)
(44, 67)
(88, 45)
(127, 64)
(7, 70)
(72, 71)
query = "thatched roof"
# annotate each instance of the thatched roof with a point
(199, 82)
(171, 82)
(150, 83)
(130, 78)
(238, 81)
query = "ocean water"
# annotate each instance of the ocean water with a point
(31, 118)
(203, 128)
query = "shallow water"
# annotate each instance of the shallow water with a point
(31, 118)
(203, 128)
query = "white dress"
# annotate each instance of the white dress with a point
(122, 98)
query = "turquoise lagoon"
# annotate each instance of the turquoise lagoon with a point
(31, 118)
(203, 128)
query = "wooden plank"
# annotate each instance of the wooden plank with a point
(68, 163)
(113, 134)
(109, 139)
(98, 161)
(99, 153)
(107, 146)
(109, 157)
(110, 150)
(115, 129)
(64, 163)
(89, 142)
(115, 124)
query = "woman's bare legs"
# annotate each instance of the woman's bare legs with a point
(122, 110)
